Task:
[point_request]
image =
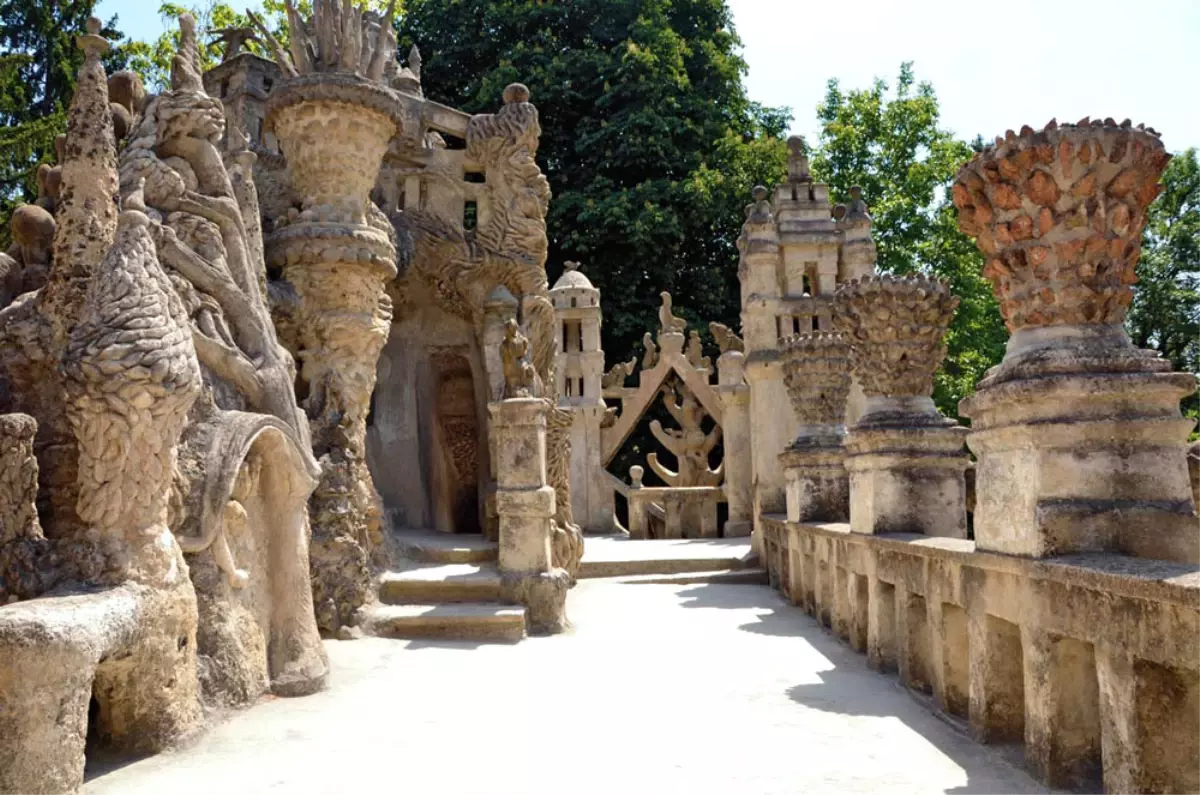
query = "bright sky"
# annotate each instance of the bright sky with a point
(994, 65)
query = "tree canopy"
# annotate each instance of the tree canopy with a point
(890, 143)
(1165, 314)
(649, 141)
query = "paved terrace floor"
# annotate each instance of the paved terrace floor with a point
(659, 689)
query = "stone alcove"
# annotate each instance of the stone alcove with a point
(427, 434)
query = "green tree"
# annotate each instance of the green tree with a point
(38, 64)
(1165, 314)
(649, 141)
(890, 143)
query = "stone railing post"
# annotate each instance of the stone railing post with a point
(638, 500)
(905, 460)
(739, 483)
(817, 373)
(525, 509)
(1079, 437)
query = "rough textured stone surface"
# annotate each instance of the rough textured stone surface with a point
(1079, 438)
(26, 566)
(896, 327)
(1059, 215)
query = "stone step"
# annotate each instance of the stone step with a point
(613, 556)
(723, 577)
(430, 546)
(445, 582)
(480, 622)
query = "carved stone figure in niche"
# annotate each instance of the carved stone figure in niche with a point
(650, 357)
(667, 321)
(689, 443)
(518, 371)
(619, 372)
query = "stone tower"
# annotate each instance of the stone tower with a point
(796, 248)
(580, 366)
(242, 82)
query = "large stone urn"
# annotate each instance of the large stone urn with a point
(1079, 437)
(333, 118)
(816, 370)
(906, 461)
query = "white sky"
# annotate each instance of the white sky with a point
(994, 65)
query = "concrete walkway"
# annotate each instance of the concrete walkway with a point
(660, 689)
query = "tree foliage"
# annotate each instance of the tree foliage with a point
(890, 143)
(649, 141)
(1165, 314)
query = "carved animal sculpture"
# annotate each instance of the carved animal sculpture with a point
(667, 321)
(726, 339)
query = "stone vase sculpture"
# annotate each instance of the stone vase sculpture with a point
(1079, 437)
(905, 459)
(333, 117)
(816, 370)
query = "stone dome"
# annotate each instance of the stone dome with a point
(573, 279)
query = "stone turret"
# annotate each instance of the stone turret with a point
(796, 248)
(579, 370)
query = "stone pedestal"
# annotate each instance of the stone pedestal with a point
(525, 508)
(1080, 442)
(818, 487)
(906, 470)
(1082, 461)
(905, 460)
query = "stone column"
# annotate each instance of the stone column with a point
(816, 370)
(525, 507)
(1079, 437)
(906, 460)
(735, 400)
(334, 128)
(770, 421)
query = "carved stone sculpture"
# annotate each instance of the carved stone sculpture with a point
(25, 565)
(519, 374)
(334, 117)
(1059, 216)
(1058, 213)
(816, 369)
(896, 326)
(726, 339)
(650, 357)
(667, 321)
(616, 376)
(905, 459)
(689, 443)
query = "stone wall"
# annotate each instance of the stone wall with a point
(1089, 660)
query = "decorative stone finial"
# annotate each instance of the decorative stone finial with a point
(798, 160)
(667, 321)
(185, 66)
(516, 92)
(92, 43)
(570, 265)
(760, 193)
(896, 326)
(519, 375)
(816, 370)
(414, 61)
(1059, 214)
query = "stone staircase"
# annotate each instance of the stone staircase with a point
(450, 589)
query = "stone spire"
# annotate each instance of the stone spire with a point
(86, 212)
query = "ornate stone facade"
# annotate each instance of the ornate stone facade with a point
(796, 248)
